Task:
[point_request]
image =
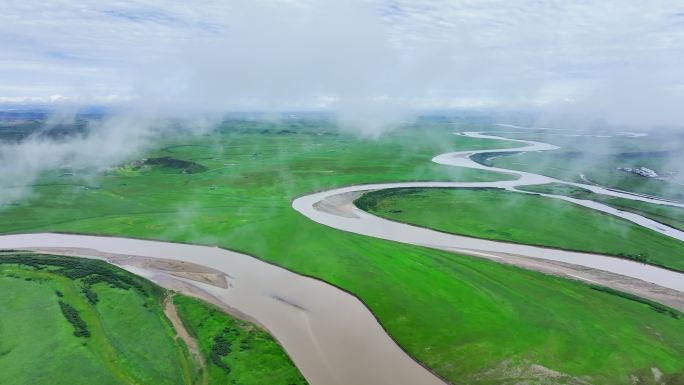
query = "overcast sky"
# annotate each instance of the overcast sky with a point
(607, 55)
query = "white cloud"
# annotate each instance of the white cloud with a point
(291, 54)
(373, 61)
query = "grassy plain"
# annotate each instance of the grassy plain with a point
(127, 338)
(238, 351)
(470, 320)
(532, 219)
(669, 215)
(596, 159)
(41, 345)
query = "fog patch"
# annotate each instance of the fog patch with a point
(83, 154)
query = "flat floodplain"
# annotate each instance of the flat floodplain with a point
(524, 218)
(597, 158)
(669, 215)
(468, 319)
(78, 321)
(245, 353)
(41, 345)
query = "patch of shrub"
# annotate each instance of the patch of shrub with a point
(90, 295)
(71, 314)
(638, 257)
(169, 162)
(88, 270)
(220, 349)
(653, 305)
(371, 201)
(485, 158)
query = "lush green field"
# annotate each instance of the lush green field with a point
(78, 321)
(597, 159)
(522, 218)
(669, 215)
(239, 352)
(470, 320)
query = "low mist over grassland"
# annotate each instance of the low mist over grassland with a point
(604, 158)
(251, 125)
(242, 200)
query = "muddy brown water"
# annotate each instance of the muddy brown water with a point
(330, 335)
(334, 208)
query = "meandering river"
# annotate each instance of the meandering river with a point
(331, 335)
(329, 208)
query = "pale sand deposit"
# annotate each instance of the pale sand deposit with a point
(330, 335)
(334, 208)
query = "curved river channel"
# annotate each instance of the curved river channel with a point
(330, 334)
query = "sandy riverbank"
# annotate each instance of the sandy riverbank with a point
(330, 335)
(335, 208)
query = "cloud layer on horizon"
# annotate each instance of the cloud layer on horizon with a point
(613, 59)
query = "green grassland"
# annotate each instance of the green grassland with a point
(669, 215)
(239, 352)
(598, 159)
(77, 321)
(471, 320)
(524, 218)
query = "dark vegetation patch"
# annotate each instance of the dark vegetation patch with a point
(71, 314)
(371, 201)
(87, 271)
(232, 354)
(230, 343)
(559, 189)
(485, 158)
(236, 352)
(653, 305)
(171, 163)
(639, 257)
(221, 348)
(91, 296)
